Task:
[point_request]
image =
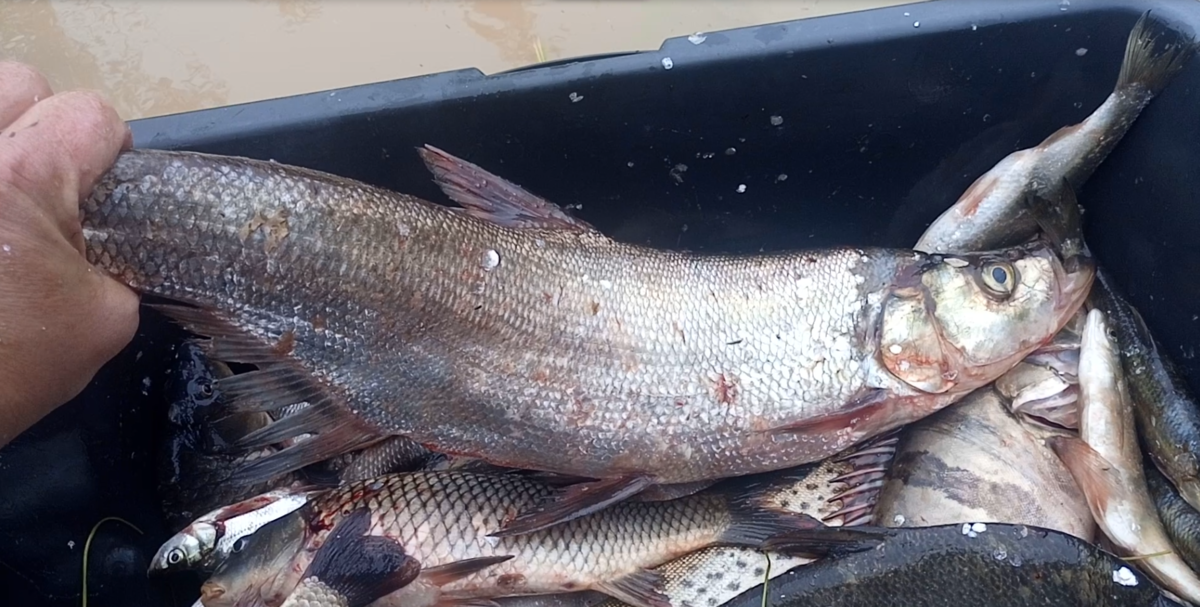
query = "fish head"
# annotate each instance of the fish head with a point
(960, 321)
(187, 549)
(246, 576)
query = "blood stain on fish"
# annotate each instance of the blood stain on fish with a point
(726, 390)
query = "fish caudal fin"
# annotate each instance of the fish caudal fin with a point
(457, 570)
(1142, 68)
(641, 589)
(756, 517)
(492, 198)
(355, 567)
(871, 462)
(323, 429)
(573, 502)
(1096, 477)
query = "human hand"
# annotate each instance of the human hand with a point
(60, 319)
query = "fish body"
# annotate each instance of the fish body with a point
(442, 518)
(989, 565)
(247, 578)
(977, 461)
(1179, 519)
(1165, 407)
(839, 491)
(1106, 461)
(989, 213)
(395, 316)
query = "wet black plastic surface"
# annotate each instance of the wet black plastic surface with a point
(881, 119)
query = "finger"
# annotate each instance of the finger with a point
(21, 86)
(114, 314)
(59, 147)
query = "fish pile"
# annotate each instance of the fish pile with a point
(389, 401)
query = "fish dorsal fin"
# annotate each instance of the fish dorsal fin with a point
(487, 196)
(331, 428)
(572, 502)
(361, 568)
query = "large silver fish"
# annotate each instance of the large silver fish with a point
(509, 333)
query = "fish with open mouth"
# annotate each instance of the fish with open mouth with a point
(504, 332)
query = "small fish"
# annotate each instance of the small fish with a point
(977, 461)
(353, 569)
(248, 577)
(1106, 461)
(1179, 519)
(198, 458)
(978, 564)
(444, 520)
(840, 491)
(989, 214)
(208, 540)
(502, 330)
(1165, 407)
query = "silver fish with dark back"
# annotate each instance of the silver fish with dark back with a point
(508, 331)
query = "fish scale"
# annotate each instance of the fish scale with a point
(445, 517)
(396, 316)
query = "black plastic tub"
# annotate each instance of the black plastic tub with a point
(849, 129)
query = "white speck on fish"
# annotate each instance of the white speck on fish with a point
(974, 27)
(491, 259)
(629, 164)
(907, 14)
(987, 117)
(1000, 554)
(1081, 51)
(1062, 6)
(7, 248)
(607, 284)
(776, 120)
(898, 520)
(667, 63)
(575, 97)
(1125, 577)
(145, 386)
(895, 348)
(697, 38)
(741, 188)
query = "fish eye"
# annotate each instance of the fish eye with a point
(239, 545)
(999, 278)
(175, 556)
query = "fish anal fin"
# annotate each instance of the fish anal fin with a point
(359, 567)
(849, 417)
(573, 502)
(280, 381)
(825, 541)
(639, 589)
(442, 575)
(490, 197)
(1097, 478)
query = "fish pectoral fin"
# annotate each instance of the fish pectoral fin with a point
(487, 196)
(573, 502)
(848, 416)
(361, 568)
(279, 382)
(1096, 477)
(826, 541)
(442, 575)
(640, 589)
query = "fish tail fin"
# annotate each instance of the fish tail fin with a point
(355, 567)
(825, 541)
(756, 516)
(1142, 68)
